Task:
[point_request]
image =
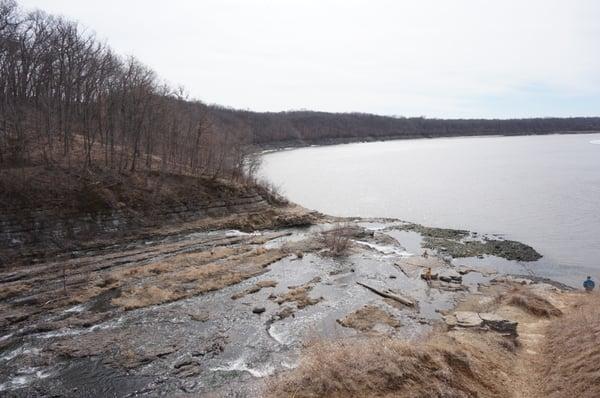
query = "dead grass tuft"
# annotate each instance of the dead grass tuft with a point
(267, 283)
(144, 296)
(14, 290)
(107, 281)
(385, 367)
(298, 295)
(531, 302)
(572, 353)
(367, 318)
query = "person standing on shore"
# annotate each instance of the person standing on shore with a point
(589, 284)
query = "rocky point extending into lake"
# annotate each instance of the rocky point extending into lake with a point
(193, 310)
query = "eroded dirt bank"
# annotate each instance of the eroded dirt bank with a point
(201, 309)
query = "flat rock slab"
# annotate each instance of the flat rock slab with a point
(468, 319)
(498, 323)
(491, 321)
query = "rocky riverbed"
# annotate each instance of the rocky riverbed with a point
(200, 312)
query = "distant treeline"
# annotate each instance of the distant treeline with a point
(320, 127)
(67, 99)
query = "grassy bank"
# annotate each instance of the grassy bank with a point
(556, 354)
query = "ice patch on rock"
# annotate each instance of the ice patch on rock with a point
(106, 325)
(376, 228)
(234, 232)
(19, 351)
(6, 336)
(278, 337)
(384, 249)
(59, 333)
(240, 365)
(76, 309)
(23, 378)
(74, 332)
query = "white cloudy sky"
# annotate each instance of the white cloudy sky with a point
(459, 58)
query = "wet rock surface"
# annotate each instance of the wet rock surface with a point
(216, 311)
(459, 243)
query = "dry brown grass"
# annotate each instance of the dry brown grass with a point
(81, 295)
(572, 352)
(298, 295)
(108, 280)
(144, 296)
(206, 278)
(385, 367)
(366, 318)
(185, 276)
(179, 262)
(14, 289)
(531, 302)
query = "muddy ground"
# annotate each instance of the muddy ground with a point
(215, 312)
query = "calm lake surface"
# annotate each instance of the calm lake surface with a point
(540, 190)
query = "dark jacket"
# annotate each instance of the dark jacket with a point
(589, 284)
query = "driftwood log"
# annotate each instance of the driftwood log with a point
(389, 294)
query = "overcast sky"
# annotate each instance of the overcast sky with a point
(459, 58)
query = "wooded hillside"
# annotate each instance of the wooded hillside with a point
(66, 99)
(320, 127)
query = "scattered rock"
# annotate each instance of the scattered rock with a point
(187, 368)
(199, 317)
(449, 286)
(254, 289)
(284, 313)
(450, 275)
(465, 270)
(185, 362)
(499, 324)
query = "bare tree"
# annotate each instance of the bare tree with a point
(67, 100)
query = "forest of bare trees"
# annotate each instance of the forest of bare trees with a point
(66, 99)
(307, 127)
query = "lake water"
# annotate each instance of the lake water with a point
(540, 190)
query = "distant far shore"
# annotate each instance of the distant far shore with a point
(292, 144)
